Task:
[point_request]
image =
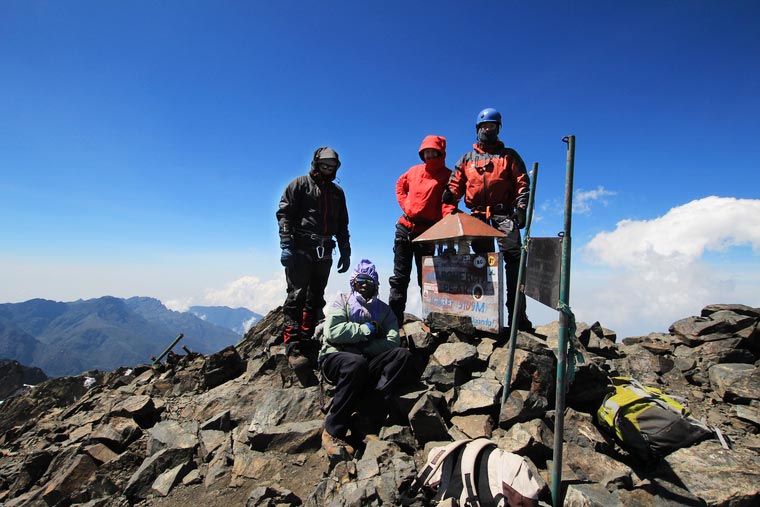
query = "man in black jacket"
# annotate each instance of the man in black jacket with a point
(312, 211)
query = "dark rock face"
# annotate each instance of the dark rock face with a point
(14, 376)
(240, 427)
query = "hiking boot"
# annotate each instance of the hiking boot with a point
(296, 359)
(334, 446)
(362, 424)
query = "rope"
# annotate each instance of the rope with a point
(574, 356)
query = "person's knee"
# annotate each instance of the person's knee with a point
(357, 369)
(402, 357)
(401, 354)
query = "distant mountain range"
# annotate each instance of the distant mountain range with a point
(108, 332)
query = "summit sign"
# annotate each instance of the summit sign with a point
(468, 285)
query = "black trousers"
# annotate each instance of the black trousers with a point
(307, 279)
(354, 376)
(510, 247)
(404, 254)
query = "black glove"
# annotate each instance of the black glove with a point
(286, 257)
(343, 263)
(448, 197)
(520, 216)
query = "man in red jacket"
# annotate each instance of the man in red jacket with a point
(495, 186)
(419, 192)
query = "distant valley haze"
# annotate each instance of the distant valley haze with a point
(68, 338)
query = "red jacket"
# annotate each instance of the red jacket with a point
(419, 190)
(493, 180)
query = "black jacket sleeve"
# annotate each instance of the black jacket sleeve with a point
(287, 213)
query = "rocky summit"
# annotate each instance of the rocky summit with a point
(239, 427)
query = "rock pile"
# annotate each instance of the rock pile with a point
(240, 428)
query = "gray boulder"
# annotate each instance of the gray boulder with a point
(717, 475)
(738, 383)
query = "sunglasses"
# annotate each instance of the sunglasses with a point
(327, 167)
(364, 280)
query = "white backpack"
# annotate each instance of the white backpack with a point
(478, 474)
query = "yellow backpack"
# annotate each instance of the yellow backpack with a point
(647, 422)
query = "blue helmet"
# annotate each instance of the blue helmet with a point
(488, 114)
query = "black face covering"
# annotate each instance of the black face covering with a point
(488, 136)
(320, 176)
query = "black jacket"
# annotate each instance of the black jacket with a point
(311, 211)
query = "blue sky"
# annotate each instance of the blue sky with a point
(144, 145)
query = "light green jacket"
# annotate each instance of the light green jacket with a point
(342, 335)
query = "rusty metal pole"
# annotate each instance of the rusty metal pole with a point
(158, 359)
(517, 311)
(564, 302)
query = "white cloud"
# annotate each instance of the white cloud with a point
(582, 199)
(250, 292)
(178, 305)
(680, 236)
(249, 323)
(414, 300)
(655, 271)
(582, 202)
(638, 302)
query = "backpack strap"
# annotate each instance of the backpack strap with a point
(451, 476)
(470, 495)
(723, 442)
(482, 467)
(430, 475)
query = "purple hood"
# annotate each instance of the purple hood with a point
(362, 310)
(365, 267)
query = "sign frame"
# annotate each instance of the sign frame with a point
(470, 285)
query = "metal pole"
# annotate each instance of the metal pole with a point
(564, 299)
(158, 359)
(516, 311)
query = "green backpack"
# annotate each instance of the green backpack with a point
(647, 422)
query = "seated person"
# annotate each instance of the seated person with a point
(361, 353)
